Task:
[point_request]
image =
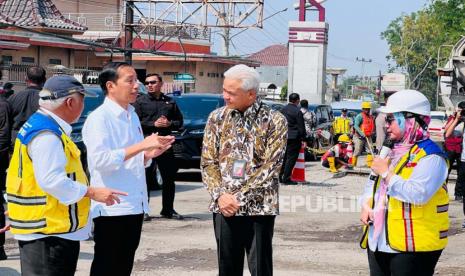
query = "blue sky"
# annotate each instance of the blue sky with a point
(354, 31)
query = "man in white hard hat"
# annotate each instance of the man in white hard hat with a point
(405, 210)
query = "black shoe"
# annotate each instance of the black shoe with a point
(290, 182)
(173, 215)
(459, 198)
(147, 217)
(3, 255)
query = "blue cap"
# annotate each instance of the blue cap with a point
(61, 86)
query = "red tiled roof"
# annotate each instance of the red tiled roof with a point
(36, 13)
(274, 55)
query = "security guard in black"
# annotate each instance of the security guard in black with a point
(159, 113)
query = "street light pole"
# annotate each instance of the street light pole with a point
(129, 21)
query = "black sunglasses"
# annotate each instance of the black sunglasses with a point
(151, 82)
(389, 119)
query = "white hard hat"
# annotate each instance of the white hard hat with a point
(407, 101)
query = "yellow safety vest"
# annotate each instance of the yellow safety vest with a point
(413, 227)
(31, 210)
(341, 125)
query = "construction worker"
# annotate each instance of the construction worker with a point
(405, 210)
(338, 155)
(47, 188)
(341, 125)
(364, 127)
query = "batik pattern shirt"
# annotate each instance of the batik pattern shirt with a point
(258, 137)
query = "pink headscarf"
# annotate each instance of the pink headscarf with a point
(412, 133)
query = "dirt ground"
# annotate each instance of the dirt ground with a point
(317, 232)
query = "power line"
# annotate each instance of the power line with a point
(101, 45)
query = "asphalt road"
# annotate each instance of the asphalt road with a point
(317, 232)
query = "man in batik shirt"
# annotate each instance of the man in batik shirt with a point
(243, 149)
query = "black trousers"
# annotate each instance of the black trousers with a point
(460, 184)
(167, 166)
(51, 256)
(2, 220)
(239, 234)
(151, 177)
(116, 241)
(290, 157)
(4, 162)
(403, 264)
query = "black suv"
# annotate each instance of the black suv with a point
(90, 104)
(195, 108)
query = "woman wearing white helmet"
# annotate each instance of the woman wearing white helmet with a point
(405, 212)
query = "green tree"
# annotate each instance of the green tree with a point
(283, 94)
(414, 41)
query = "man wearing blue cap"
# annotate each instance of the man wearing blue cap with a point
(48, 192)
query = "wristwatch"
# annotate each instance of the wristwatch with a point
(385, 174)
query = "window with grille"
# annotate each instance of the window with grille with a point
(27, 60)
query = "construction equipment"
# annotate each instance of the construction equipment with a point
(451, 77)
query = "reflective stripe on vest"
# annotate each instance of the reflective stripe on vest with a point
(341, 125)
(368, 124)
(31, 209)
(22, 200)
(29, 224)
(408, 224)
(412, 227)
(443, 208)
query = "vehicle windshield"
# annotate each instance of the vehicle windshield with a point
(198, 108)
(438, 117)
(91, 103)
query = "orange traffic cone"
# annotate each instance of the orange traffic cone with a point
(298, 173)
(350, 153)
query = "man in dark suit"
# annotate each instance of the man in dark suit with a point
(295, 137)
(25, 103)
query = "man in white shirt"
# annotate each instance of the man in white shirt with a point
(48, 193)
(117, 155)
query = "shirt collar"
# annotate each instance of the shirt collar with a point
(64, 125)
(251, 111)
(161, 97)
(115, 108)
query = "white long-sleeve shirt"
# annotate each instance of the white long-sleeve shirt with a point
(49, 161)
(106, 133)
(427, 177)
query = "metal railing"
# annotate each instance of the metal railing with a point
(16, 72)
(164, 28)
(97, 21)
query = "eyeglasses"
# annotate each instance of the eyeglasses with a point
(151, 82)
(389, 119)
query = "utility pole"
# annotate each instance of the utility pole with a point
(129, 21)
(363, 61)
(378, 87)
(224, 20)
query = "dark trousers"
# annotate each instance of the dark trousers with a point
(290, 157)
(151, 177)
(239, 234)
(167, 166)
(460, 184)
(116, 241)
(2, 220)
(402, 264)
(4, 161)
(51, 256)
